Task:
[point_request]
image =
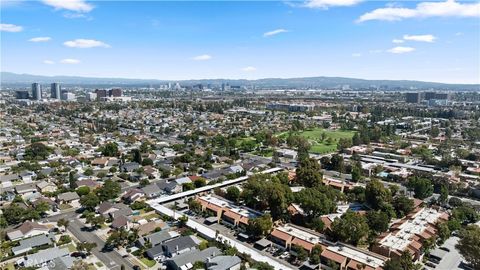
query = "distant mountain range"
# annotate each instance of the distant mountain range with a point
(13, 79)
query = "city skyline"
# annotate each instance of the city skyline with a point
(426, 41)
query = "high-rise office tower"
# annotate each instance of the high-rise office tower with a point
(36, 91)
(413, 97)
(101, 93)
(116, 92)
(21, 94)
(56, 92)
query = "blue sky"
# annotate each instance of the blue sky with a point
(430, 41)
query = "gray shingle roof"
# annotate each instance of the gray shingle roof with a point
(45, 256)
(194, 256)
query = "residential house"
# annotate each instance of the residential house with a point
(27, 229)
(180, 245)
(133, 195)
(224, 263)
(45, 186)
(68, 198)
(45, 256)
(157, 238)
(28, 244)
(152, 190)
(26, 189)
(187, 259)
(108, 209)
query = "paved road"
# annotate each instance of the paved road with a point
(111, 259)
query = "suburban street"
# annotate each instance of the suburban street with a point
(111, 259)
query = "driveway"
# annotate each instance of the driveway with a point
(111, 259)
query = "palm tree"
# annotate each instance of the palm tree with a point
(63, 223)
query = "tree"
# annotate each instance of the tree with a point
(14, 214)
(117, 238)
(89, 201)
(299, 252)
(200, 182)
(194, 205)
(443, 194)
(233, 193)
(443, 232)
(315, 202)
(309, 173)
(182, 221)
(110, 149)
(80, 265)
(351, 227)
(337, 163)
(378, 221)
(109, 191)
(260, 226)
(37, 151)
(147, 162)
(136, 156)
(422, 187)
(72, 180)
(465, 214)
(376, 194)
(434, 132)
(403, 205)
(262, 266)
(357, 174)
(315, 254)
(404, 262)
(64, 239)
(469, 245)
(188, 186)
(63, 223)
(88, 172)
(86, 246)
(95, 221)
(81, 191)
(41, 207)
(455, 202)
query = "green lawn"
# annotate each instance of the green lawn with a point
(65, 206)
(10, 266)
(319, 146)
(148, 262)
(71, 247)
(152, 215)
(239, 142)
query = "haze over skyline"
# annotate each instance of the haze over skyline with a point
(427, 41)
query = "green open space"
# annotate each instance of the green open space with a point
(328, 144)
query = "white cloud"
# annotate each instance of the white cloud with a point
(449, 8)
(249, 69)
(40, 39)
(399, 50)
(421, 38)
(6, 27)
(397, 41)
(202, 57)
(73, 5)
(70, 61)
(49, 62)
(325, 4)
(356, 54)
(459, 34)
(274, 32)
(85, 43)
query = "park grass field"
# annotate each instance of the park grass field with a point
(329, 144)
